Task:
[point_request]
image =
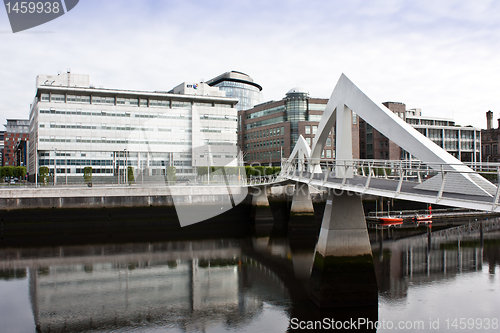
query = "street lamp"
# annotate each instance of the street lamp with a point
(126, 166)
(55, 166)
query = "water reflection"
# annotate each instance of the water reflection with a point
(257, 284)
(191, 286)
(435, 256)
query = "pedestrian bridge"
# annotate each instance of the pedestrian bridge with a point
(405, 180)
(431, 176)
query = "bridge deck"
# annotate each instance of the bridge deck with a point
(389, 188)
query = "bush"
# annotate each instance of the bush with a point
(8, 171)
(87, 174)
(43, 173)
(171, 174)
(20, 172)
(130, 175)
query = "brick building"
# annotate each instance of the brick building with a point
(16, 130)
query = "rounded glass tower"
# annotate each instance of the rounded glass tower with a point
(241, 86)
(296, 101)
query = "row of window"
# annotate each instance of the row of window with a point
(137, 115)
(265, 133)
(265, 144)
(272, 121)
(280, 108)
(217, 130)
(488, 151)
(85, 99)
(276, 155)
(116, 114)
(329, 142)
(119, 128)
(114, 141)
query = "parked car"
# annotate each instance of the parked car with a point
(183, 180)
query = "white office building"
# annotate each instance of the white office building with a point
(74, 124)
(462, 142)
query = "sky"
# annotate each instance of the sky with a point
(441, 56)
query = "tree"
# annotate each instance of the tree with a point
(87, 175)
(20, 172)
(8, 171)
(43, 174)
(130, 175)
(171, 174)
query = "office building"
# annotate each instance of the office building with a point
(74, 125)
(461, 142)
(241, 86)
(16, 130)
(270, 130)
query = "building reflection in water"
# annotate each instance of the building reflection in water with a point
(192, 286)
(435, 256)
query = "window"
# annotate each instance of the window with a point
(103, 100)
(328, 142)
(44, 97)
(308, 130)
(57, 98)
(78, 99)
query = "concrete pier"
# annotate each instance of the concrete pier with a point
(302, 220)
(343, 272)
(261, 212)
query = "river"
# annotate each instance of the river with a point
(443, 278)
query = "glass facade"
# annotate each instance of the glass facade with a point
(241, 86)
(296, 110)
(247, 94)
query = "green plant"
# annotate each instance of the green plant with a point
(43, 174)
(8, 171)
(171, 174)
(87, 174)
(130, 175)
(20, 172)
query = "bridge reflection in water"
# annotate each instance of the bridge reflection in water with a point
(229, 284)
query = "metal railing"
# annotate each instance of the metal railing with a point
(400, 171)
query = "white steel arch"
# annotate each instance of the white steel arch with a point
(346, 97)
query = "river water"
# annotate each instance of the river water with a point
(443, 279)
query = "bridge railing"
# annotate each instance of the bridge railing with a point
(361, 173)
(409, 170)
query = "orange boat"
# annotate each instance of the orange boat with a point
(390, 220)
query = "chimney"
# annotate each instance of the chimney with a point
(489, 120)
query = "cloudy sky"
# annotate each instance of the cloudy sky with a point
(442, 56)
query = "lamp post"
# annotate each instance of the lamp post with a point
(55, 166)
(126, 166)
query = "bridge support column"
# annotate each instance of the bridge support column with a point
(302, 218)
(261, 212)
(343, 272)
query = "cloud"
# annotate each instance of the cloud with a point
(440, 56)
